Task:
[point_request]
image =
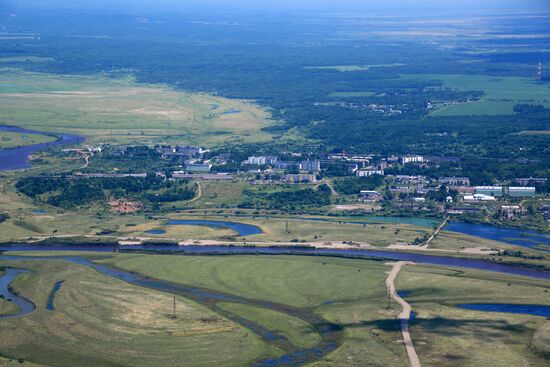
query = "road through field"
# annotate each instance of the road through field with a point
(405, 314)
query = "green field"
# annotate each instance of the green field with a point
(445, 335)
(109, 322)
(12, 139)
(100, 321)
(119, 110)
(449, 336)
(350, 293)
(347, 68)
(501, 93)
(351, 94)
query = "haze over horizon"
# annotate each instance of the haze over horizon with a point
(282, 5)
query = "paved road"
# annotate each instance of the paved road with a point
(405, 314)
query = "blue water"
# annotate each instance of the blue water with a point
(231, 112)
(39, 211)
(513, 236)
(536, 310)
(51, 298)
(241, 228)
(25, 307)
(18, 158)
(404, 294)
(156, 231)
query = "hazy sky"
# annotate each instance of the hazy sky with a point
(317, 5)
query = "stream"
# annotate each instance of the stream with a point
(25, 306)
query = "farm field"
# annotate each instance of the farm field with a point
(501, 93)
(13, 140)
(119, 110)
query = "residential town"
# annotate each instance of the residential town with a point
(449, 195)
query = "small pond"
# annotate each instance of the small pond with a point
(242, 229)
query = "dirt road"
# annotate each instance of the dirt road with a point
(405, 314)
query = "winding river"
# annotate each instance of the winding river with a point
(25, 306)
(18, 158)
(331, 334)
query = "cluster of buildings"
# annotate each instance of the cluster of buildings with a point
(185, 152)
(275, 163)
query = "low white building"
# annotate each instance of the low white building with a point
(479, 197)
(412, 159)
(368, 172)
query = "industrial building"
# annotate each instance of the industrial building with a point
(198, 167)
(496, 191)
(522, 191)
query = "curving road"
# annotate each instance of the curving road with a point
(405, 314)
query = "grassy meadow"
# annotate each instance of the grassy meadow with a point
(119, 110)
(446, 335)
(13, 140)
(101, 321)
(351, 293)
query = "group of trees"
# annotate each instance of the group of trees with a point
(352, 185)
(69, 192)
(291, 199)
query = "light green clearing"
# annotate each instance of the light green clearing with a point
(534, 132)
(12, 59)
(345, 68)
(501, 93)
(12, 139)
(297, 331)
(351, 94)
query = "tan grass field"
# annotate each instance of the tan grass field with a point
(119, 110)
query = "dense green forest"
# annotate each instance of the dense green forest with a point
(69, 193)
(286, 66)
